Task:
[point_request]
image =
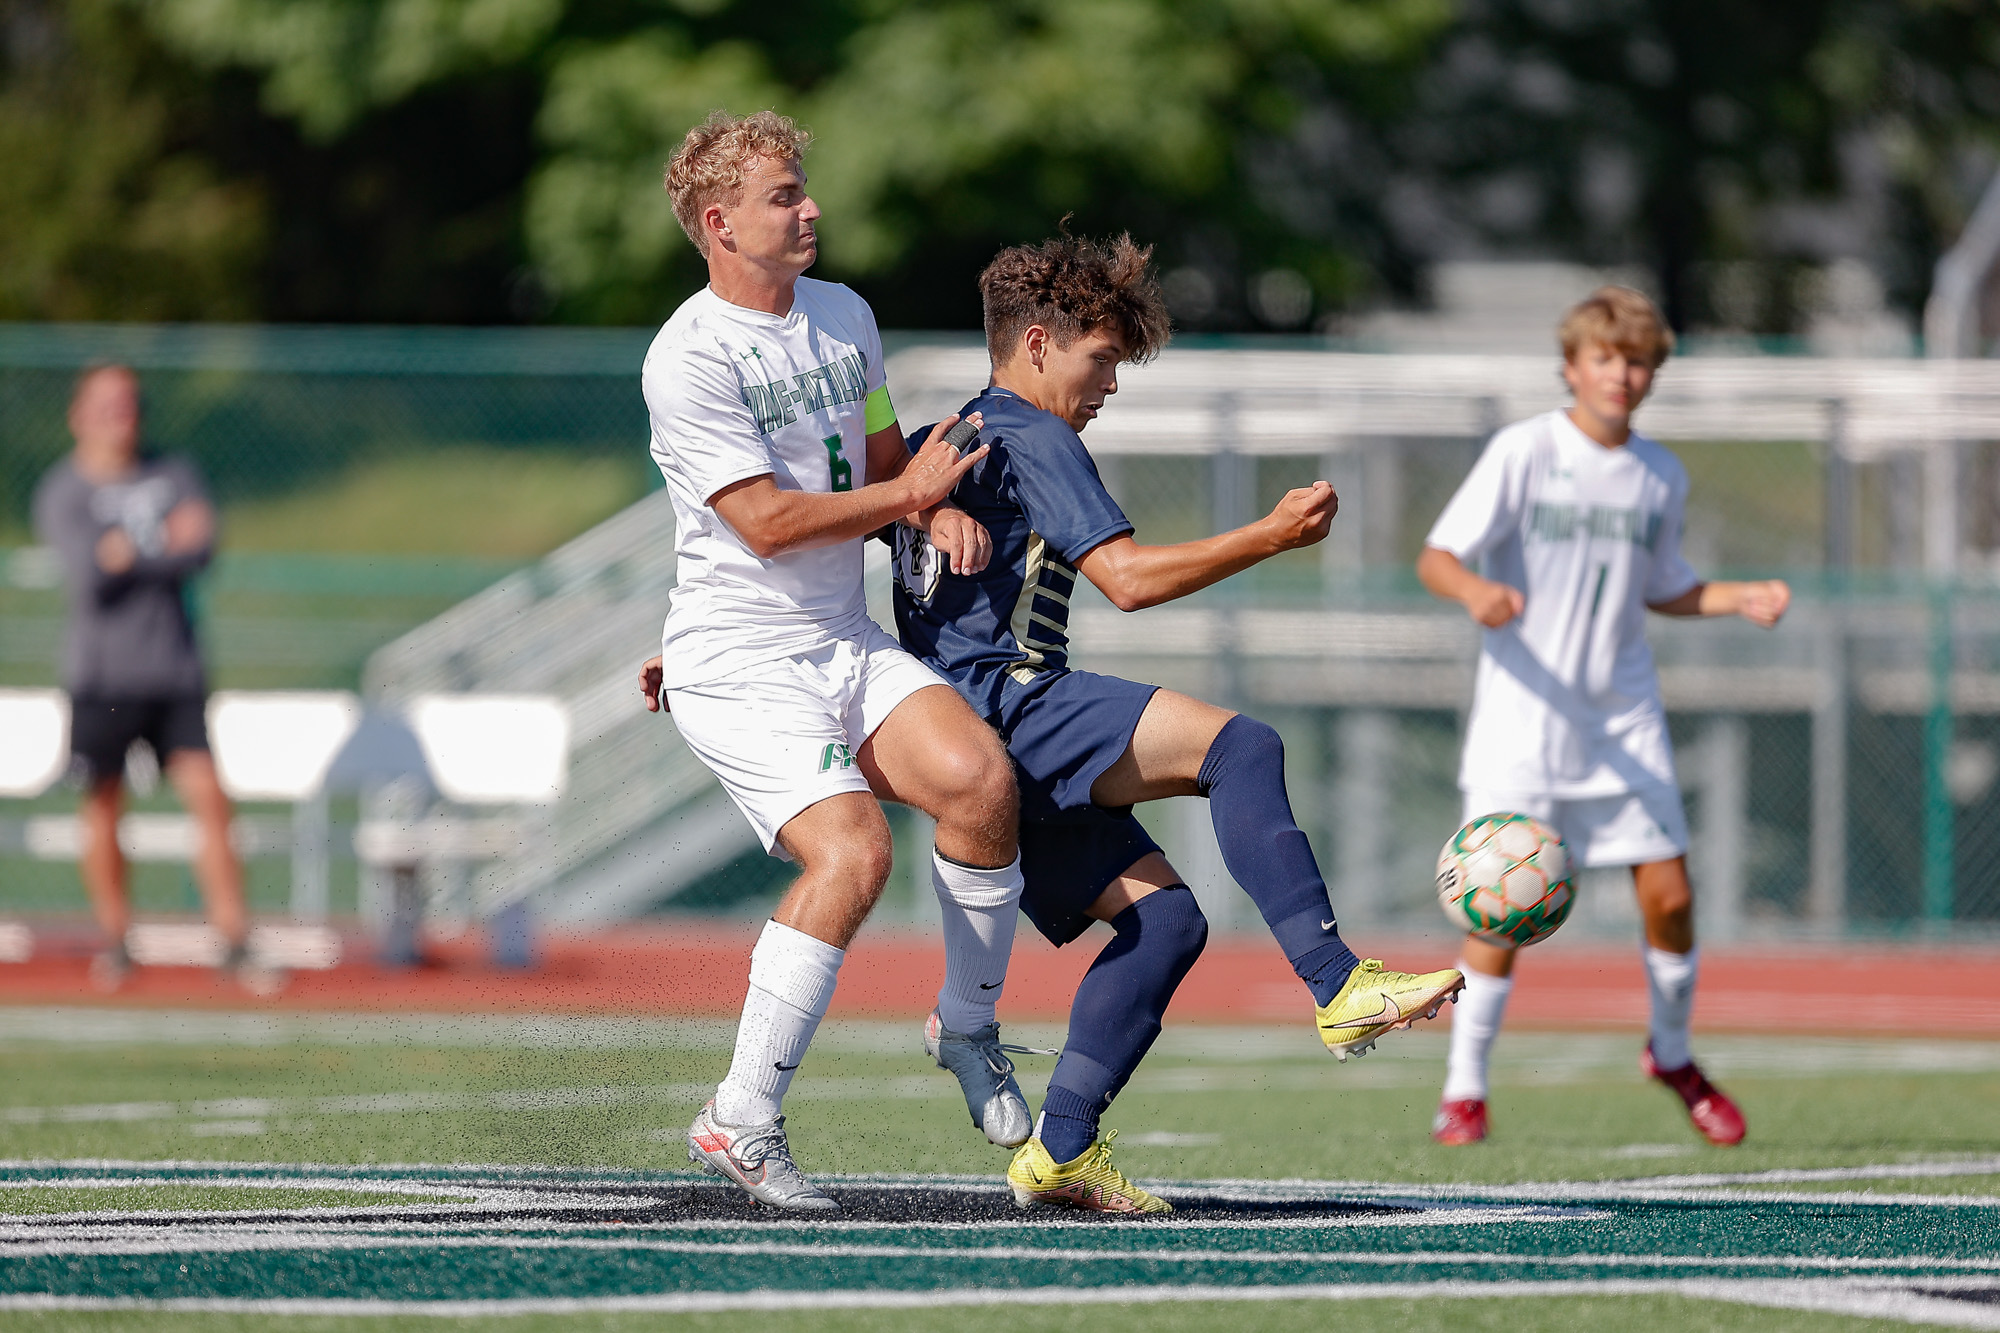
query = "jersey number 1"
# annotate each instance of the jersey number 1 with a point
(839, 472)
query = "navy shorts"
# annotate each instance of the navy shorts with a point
(1068, 862)
(1062, 730)
(101, 730)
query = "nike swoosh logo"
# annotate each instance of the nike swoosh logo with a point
(1390, 1010)
(991, 985)
(776, 1065)
(1327, 925)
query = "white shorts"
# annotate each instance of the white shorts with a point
(782, 735)
(1634, 829)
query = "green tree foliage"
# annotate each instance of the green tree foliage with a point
(488, 160)
(112, 209)
(327, 62)
(946, 130)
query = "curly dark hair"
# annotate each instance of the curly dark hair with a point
(1072, 286)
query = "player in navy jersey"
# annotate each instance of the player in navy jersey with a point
(1060, 318)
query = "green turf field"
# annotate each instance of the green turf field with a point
(346, 1167)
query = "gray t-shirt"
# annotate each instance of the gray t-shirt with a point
(129, 634)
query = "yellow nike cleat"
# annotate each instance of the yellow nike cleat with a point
(1090, 1182)
(1376, 1000)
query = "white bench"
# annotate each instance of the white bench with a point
(474, 750)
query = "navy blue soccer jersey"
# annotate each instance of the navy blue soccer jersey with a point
(1038, 493)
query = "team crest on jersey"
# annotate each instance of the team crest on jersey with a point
(917, 563)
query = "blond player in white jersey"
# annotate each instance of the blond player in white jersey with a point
(1575, 523)
(772, 425)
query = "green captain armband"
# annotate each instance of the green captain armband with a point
(881, 413)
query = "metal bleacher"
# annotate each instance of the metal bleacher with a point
(640, 818)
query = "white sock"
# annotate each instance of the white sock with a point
(980, 908)
(1670, 980)
(1475, 1022)
(791, 983)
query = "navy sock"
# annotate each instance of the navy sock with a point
(1243, 778)
(1068, 1124)
(1116, 1014)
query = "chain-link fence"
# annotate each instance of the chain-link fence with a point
(1840, 771)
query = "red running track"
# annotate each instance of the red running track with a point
(893, 973)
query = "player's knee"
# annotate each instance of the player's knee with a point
(1245, 743)
(979, 777)
(1260, 740)
(859, 864)
(1667, 899)
(1674, 904)
(1174, 922)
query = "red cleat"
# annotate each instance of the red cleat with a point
(1715, 1117)
(1459, 1123)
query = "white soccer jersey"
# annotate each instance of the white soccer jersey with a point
(737, 393)
(1568, 701)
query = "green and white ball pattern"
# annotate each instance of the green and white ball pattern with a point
(1506, 878)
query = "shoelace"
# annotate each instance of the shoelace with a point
(995, 1055)
(1100, 1153)
(1001, 1065)
(768, 1146)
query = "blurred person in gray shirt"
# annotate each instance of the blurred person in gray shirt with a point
(131, 530)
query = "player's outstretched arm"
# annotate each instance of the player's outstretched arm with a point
(1762, 602)
(772, 520)
(1135, 577)
(1446, 577)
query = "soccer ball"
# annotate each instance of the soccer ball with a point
(1506, 879)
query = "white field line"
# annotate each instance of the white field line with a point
(248, 1115)
(471, 1199)
(30, 1229)
(914, 1087)
(97, 1233)
(1969, 1166)
(1478, 1204)
(1876, 1299)
(211, 1242)
(1539, 1056)
(469, 1193)
(481, 1174)
(1717, 1186)
(418, 1176)
(473, 1173)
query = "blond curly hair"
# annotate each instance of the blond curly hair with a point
(708, 167)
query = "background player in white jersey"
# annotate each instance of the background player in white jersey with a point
(1575, 521)
(772, 425)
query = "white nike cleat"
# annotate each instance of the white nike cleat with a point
(986, 1077)
(758, 1158)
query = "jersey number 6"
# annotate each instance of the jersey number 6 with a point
(839, 472)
